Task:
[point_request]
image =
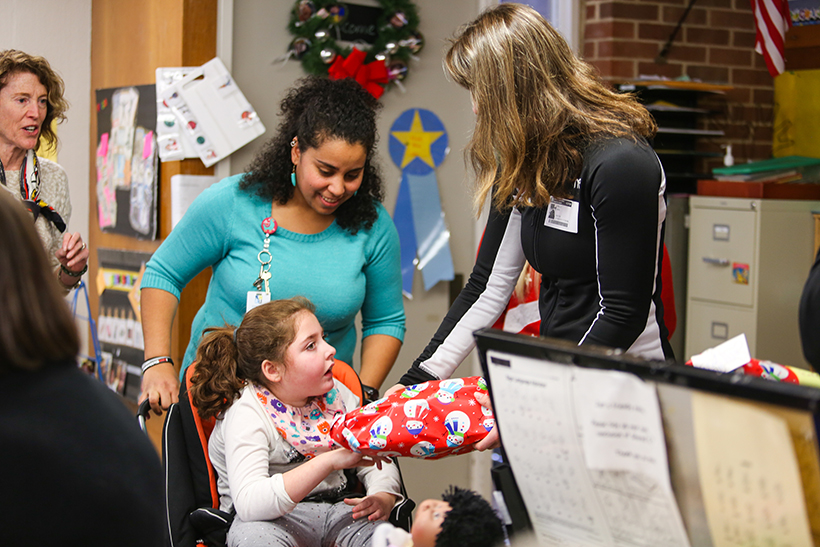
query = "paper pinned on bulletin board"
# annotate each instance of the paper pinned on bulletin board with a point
(173, 143)
(184, 190)
(212, 110)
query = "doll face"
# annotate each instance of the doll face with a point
(427, 522)
(329, 175)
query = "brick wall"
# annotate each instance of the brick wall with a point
(715, 44)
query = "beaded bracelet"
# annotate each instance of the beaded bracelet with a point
(74, 274)
(155, 361)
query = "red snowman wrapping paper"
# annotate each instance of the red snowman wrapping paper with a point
(429, 421)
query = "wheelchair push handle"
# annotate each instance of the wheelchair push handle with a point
(142, 413)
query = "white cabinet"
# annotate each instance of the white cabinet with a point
(748, 261)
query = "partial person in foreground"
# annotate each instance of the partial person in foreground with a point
(269, 382)
(306, 219)
(809, 316)
(78, 469)
(460, 517)
(31, 99)
(575, 189)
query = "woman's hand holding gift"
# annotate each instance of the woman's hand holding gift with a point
(491, 440)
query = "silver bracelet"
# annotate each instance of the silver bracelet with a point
(156, 361)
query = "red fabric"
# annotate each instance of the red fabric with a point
(770, 371)
(530, 296)
(772, 20)
(670, 317)
(369, 75)
(429, 421)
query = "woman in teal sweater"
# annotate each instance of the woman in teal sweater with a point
(306, 219)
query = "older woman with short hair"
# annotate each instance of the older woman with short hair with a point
(31, 98)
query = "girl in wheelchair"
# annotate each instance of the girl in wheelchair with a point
(269, 383)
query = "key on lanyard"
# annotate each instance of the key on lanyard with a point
(269, 226)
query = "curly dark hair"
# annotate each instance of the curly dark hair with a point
(314, 111)
(470, 521)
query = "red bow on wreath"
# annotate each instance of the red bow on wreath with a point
(369, 75)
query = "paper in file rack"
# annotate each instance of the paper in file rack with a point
(212, 110)
(588, 452)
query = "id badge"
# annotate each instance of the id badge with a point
(562, 214)
(256, 298)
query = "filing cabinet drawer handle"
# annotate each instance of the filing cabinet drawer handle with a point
(716, 261)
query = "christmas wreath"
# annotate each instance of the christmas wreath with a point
(374, 45)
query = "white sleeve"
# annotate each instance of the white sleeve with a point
(482, 300)
(387, 535)
(256, 494)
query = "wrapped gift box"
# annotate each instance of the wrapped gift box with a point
(429, 420)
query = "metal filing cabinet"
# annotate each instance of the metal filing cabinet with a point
(748, 261)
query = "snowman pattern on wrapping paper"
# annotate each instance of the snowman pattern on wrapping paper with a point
(489, 420)
(411, 391)
(429, 420)
(372, 408)
(351, 439)
(447, 390)
(423, 449)
(457, 424)
(379, 432)
(414, 412)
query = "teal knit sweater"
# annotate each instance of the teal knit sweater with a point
(340, 273)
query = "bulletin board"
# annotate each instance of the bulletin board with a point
(119, 328)
(126, 161)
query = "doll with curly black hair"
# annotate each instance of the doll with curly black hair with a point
(305, 219)
(461, 517)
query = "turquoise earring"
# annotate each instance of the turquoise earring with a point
(293, 176)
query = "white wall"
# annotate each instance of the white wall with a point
(60, 31)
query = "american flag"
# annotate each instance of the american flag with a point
(772, 21)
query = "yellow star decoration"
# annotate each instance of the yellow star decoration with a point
(417, 142)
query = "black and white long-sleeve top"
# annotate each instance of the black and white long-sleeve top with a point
(599, 254)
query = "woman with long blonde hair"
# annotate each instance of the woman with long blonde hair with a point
(575, 190)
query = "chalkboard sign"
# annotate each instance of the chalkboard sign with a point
(360, 24)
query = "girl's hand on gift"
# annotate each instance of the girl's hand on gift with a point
(491, 440)
(342, 458)
(375, 506)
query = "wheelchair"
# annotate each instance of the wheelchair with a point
(192, 509)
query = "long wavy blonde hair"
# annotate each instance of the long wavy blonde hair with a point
(537, 106)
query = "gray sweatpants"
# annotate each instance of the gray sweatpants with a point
(308, 525)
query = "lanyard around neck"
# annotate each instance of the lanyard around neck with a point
(30, 190)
